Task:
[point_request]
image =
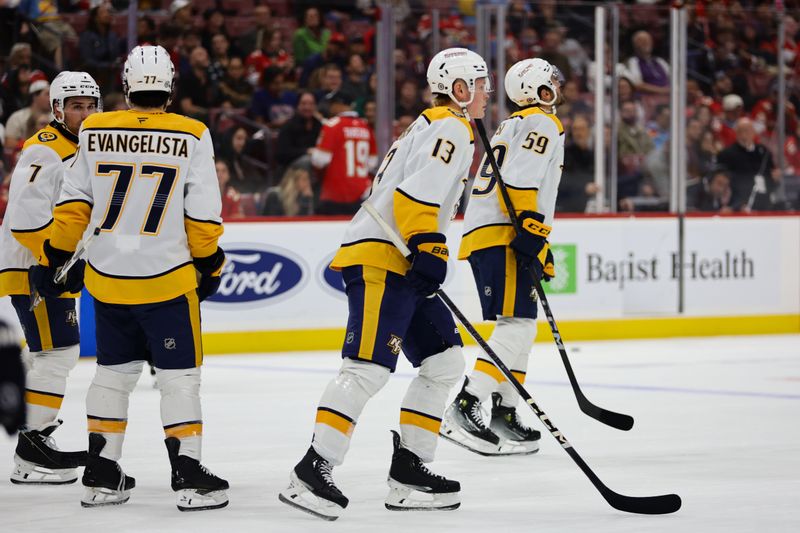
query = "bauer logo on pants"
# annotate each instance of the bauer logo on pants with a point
(256, 275)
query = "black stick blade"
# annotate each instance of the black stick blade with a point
(665, 504)
(609, 418)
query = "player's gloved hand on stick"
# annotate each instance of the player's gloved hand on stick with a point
(209, 268)
(549, 271)
(530, 241)
(43, 277)
(429, 262)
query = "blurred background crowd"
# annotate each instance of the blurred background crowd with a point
(262, 75)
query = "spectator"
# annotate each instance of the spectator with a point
(246, 176)
(716, 194)
(213, 24)
(220, 56)
(573, 104)
(648, 73)
(234, 87)
(346, 150)
(408, 101)
(300, 132)
(733, 110)
(53, 30)
(627, 93)
(182, 16)
(659, 127)
(196, 89)
(271, 54)
(18, 127)
(231, 199)
(259, 36)
(355, 84)
(633, 146)
(751, 169)
(371, 113)
(577, 184)
(15, 83)
(101, 48)
(330, 81)
(335, 52)
(311, 38)
(550, 52)
(272, 106)
(293, 197)
(146, 30)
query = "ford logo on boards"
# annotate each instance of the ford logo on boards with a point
(254, 273)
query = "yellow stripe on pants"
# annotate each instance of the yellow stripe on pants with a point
(374, 287)
(510, 289)
(43, 325)
(194, 317)
(420, 420)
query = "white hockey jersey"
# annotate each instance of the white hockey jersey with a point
(148, 181)
(34, 189)
(529, 147)
(416, 189)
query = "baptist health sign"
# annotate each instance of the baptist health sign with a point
(615, 277)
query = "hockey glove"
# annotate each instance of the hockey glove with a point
(530, 241)
(43, 277)
(12, 382)
(549, 271)
(209, 269)
(429, 262)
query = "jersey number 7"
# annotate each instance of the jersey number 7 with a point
(123, 177)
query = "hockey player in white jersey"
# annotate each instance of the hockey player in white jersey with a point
(416, 191)
(145, 181)
(529, 148)
(51, 328)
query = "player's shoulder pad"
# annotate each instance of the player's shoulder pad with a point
(535, 112)
(130, 119)
(63, 143)
(446, 113)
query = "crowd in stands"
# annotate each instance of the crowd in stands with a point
(261, 74)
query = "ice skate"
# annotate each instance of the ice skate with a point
(197, 488)
(312, 490)
(105, 482)
(507, 425)
(38, 461)
(412, 487)
(463, 425)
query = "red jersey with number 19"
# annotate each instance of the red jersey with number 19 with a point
(350, 143)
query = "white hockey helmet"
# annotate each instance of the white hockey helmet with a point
(454, 64)
(525, 78)
(68, 84)
(148, 68)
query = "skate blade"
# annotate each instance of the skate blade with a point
(404, 498)
(27, 473)
(101, 497)
(191, 500)
(300, 497)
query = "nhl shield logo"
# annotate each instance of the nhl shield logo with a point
(487, 290)
(395, 344)
(350, 337)
(72, 318)
(169, 343)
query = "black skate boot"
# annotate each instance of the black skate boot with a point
(38, 461)
(412, 487)
(463, 425)
(197, 488)
(105, 482)
(311, 488)
(506, 423)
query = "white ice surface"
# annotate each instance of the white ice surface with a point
(716, 421)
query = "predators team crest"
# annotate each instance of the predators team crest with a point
(72, 318)
(395, 344)
(47, 136)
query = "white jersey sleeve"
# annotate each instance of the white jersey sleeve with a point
(202, 200)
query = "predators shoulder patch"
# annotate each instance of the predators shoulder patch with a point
(47, 136)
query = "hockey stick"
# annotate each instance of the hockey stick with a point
(610, 418)
(62, 272)
(668, 503)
